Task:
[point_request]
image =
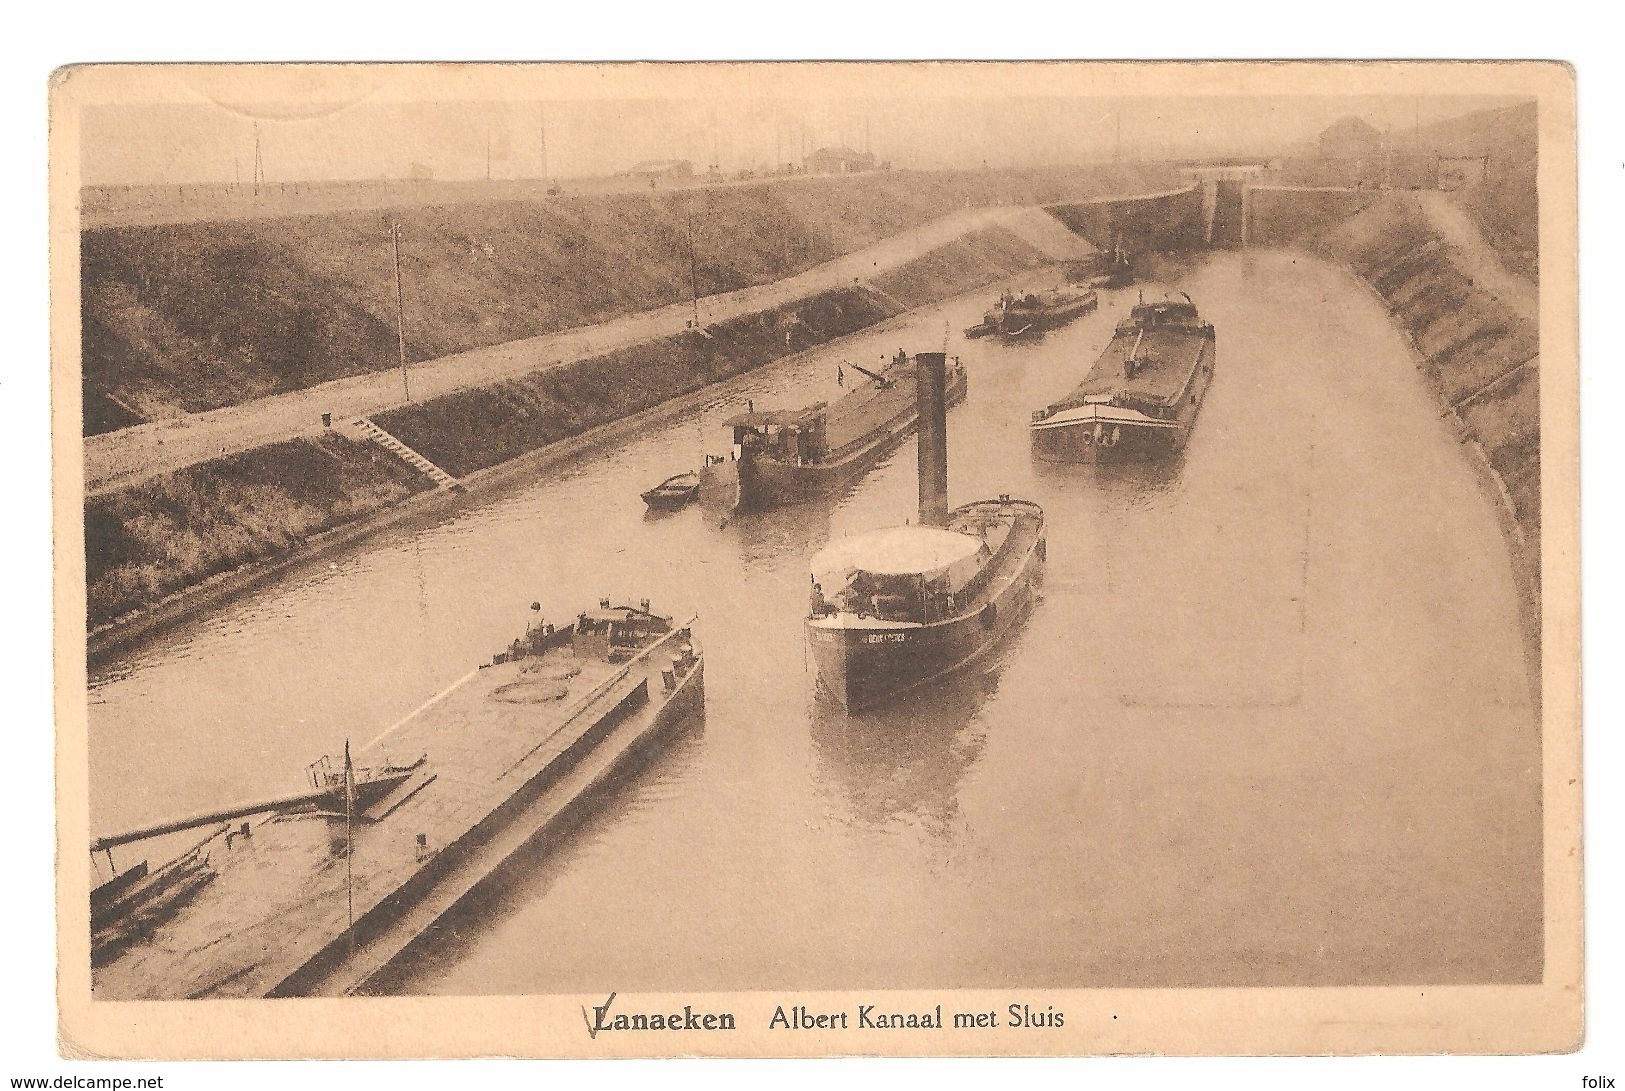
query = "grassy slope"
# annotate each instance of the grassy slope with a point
(180, 318)
(173, 531)
(1506, 203)
(1466, 338)
(170, 532)
(473, 429)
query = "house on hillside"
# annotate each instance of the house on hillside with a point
(839, 160)
(1351, 138)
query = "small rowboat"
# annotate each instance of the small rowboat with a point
(673, 492)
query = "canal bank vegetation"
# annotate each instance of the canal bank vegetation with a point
(174, 531)
(1478, 352)
(473, 429)
(185, 317)
(179, 530)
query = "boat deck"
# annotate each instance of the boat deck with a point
(1166, 356)
(867, 409)
(280, 895)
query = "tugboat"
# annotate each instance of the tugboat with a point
(1033, 313)
(674, 492)
(1141, 397)
(320, 892)
(787, 456)
(894, 609)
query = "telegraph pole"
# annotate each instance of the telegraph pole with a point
(693, 275)
(400, 310)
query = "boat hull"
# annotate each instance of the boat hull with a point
(1015, 325)
(860, 667)
(1076, 436)
(754, 482)
(669, 499)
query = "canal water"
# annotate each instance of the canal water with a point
(1268, 724)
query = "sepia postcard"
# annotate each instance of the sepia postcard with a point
(816, 559)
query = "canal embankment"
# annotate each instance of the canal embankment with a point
(183, 318)
(1474, 327)
(161, 548)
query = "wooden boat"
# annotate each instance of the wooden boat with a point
(674, 492)
(788, 456)
(1140, 399)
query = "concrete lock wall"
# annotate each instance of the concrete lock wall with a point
(1280, 216)
(1163, 221)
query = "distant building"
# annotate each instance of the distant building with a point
(1350, 138)
(420, 172)
(839, 160)
(651, 169)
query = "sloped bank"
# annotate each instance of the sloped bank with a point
(1478, 355)
(181, 318)
(157, 551)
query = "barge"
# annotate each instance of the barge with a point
(1140, 399)
(896, 609)
(322, 892)
(1032, 313)
(789, 456)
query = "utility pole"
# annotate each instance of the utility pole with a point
(693, 275)
(488, 153)
(400, 310)
(259, 162)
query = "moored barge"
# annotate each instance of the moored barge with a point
(321, 892)
(788, 456)
(1140, 399)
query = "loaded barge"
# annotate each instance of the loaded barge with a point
(1031, 314)
(895, 609)
(321, 892)
(788, 456)
(1140, 398)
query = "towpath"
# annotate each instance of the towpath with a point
(1477, 258)
(117, 459)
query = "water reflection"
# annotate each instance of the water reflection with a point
(1290, 621)
(907, 759)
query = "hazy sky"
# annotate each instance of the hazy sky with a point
(207, 142)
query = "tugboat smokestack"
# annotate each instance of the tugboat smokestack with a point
(931, 385)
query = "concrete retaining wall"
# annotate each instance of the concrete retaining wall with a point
(1171, 220)
(1281, 216)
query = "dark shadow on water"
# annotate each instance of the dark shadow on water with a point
(908, 758)
(794, 530)
(660, 515)
(1116, 479)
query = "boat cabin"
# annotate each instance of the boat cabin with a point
(615, 632)
(1167, 314)
(795, 436)
(908, 574)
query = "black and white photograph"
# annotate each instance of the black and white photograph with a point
(774, 559)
